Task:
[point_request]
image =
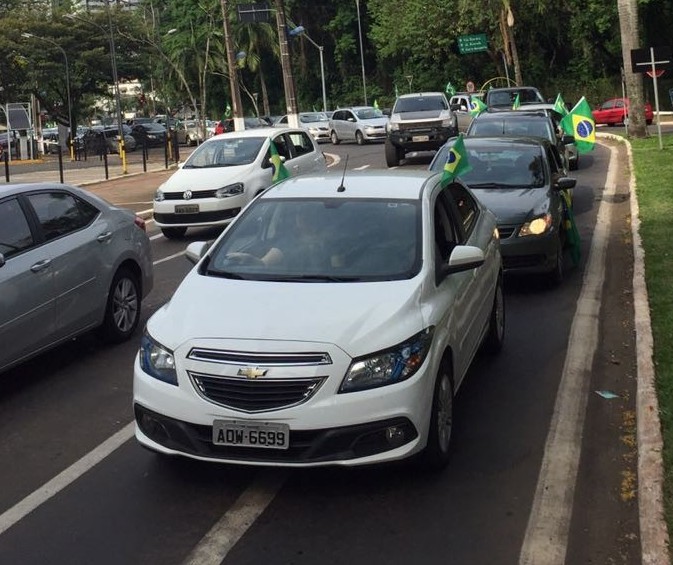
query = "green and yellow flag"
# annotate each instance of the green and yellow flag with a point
(449, 89)
(227, 111)
(457, 162)
(476, 106)
(570, 227)
(560, 105)
(579, 122)
(279, 171)
(376, 104)
(517, 102)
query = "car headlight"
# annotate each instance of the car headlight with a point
(159, 195)
(157, 361)
(537, 226)
(393, 126)
(390, 366)
(448, 119)
(230, 190)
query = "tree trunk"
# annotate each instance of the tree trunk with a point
(628, 25)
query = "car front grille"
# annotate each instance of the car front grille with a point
(265, 359)
(199, 218)
(195, 195)
(420, 126)
(255, 395)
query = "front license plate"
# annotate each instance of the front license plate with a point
(187, 209)
(419, 138)
(251, 434)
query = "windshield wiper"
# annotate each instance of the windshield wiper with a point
(496, 185)
(315, 278)
(224, 274)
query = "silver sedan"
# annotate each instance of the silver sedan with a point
(69, 262)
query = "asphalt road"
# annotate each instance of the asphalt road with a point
(58, 411)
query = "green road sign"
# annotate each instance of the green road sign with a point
(472, 43)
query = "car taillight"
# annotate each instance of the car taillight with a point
(138, 221)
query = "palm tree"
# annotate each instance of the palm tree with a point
(628, 24)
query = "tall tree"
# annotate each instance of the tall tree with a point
(628, 25)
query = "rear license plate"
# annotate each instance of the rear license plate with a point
(418, 138)
(187, 209)
(251, 434)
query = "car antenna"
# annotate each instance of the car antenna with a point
(341, 187)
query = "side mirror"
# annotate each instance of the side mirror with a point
(196, 250)
(463, 258)
(455, 107)
(351, 119)
(2, 260)
(565, 183)
(568, 139)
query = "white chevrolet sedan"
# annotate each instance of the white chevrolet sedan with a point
(226, 172)
(331, 324)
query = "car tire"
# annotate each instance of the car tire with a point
(496, 326)
(438, 449)
(359, 138)
(392, 155)
(648, 122)
(174, 233)
(122, 311)
(335, 138)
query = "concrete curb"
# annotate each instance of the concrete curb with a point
(653, 529)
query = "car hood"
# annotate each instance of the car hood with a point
(375, 122)
(206, 178)
(359, 318)
(515, 205)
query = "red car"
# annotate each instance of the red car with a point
(613, 111)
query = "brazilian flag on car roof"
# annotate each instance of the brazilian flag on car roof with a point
(579, 122)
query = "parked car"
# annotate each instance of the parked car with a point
(520, 180)
(150, 134)
(503, 98)
(613, 112)
(69, 262)
(226, 172)
(418, 122)
(317, 124)
(361, 124)
(523, 123)
(189, 132)
(347, 353)
(106, 138)
(249, 122)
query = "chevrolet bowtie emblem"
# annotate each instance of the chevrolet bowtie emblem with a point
(251, 372)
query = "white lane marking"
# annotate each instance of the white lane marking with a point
(159, 261)
(65, 478)
(361, 168)
(546, 536)
(223, 536)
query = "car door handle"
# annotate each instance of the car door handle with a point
(104, 237)
(40, 265)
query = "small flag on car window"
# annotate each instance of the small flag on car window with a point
(457, 162)
(279, 171)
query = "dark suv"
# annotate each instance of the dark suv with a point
(418, 122)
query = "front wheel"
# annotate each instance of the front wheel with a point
(122, 312)
(392, 155)
(359, 138)
(335, 138)
(555, 276)
(438, 449)
(496, 326)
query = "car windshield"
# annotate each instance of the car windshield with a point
(312, 118)
(420, 104)
(496, 167)
(228, 152)
(368, 113)
(321, 240)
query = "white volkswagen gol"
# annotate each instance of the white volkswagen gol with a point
(225, 172)
(332, 323)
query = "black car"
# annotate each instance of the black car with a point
(521, 182)
(149, 134)
(504, 97)
(523, 123)
(98, 139)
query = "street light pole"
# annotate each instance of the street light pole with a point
(286, 64)
(67, 87)
(362, 53)
(300, 30)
